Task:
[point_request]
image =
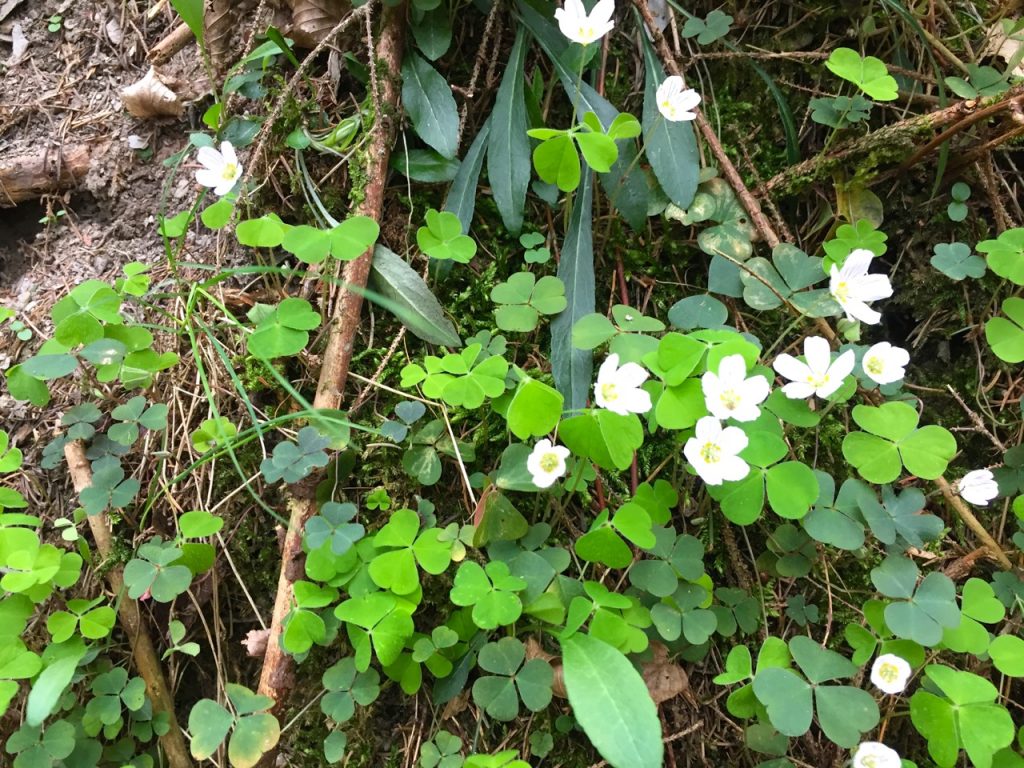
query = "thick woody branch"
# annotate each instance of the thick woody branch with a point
(277, 678)
(147, 662)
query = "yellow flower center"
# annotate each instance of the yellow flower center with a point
(610, 392)
(549, 462)
(875, 365)
(818, 381)
(730, 399)
(889, 672)
(229, 172)
(870, 761)
(711, 453)
(842, 291)
(586, 33)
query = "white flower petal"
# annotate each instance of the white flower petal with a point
(890, 673)
(708, 429)
(631, 375)
(798, 390)
(227, 151)
(873, 754)
(871, 288)
(602, 13)
(733, 440)
(978, 487)
(636, 401)
(791, 368)
(818, 353)
(208, 178)
(858, 310)
(733, 468)
(210, 158)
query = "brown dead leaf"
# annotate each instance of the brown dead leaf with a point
(153, 96)
(219, 21)
(665, 680)
(313, 19)
(19, 44)
(998, 42)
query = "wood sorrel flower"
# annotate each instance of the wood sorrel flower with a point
(713, 451)
(221, 170)
(729, 394)
(820, 375)
(675, 101)
(581, 27)
(853, 287)
(618, 389)
(546, 463)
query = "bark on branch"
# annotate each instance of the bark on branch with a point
(147, 663)
(277, 678)
(32, 174)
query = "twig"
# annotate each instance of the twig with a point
(172, 43)
(146, 661)
(277, 677)
(994, 550)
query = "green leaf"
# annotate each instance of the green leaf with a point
(461, 198)
(956, 261)
(428, 101)
(671, 147)
(208, 724)
(442, 238)
(573, 368)
(353, 237)
(508, 156)
(265, 232)
(892, 438)
(598, 150)
(557, 162)
(1007, 652)
(606, 438)
(425, 165)
(252, 737)
(792, 488)
(611, 703)
(867, 73)
(1006, 334)
(61, 662)
(413, 302)
(1006, 254)
(709, 29)
(191, 12)
(534, 410)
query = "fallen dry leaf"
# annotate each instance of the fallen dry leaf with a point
(152, 97)
(313, 19)
(1007, 47)
(19, 44)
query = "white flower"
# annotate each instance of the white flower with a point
(546, 463)
(221, 170)
(729, 394)
(978, 487)
(819, 375)
(582, 28)
(853, 287)
(713, 451)
(890, 673)
(675, 102)
(883, 363)
(618, 389)
(874, 754)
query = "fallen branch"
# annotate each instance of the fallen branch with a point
(892, 143)
(32, 174)
(173, 42)
(972, 522)
(147, 662)
(277, 677)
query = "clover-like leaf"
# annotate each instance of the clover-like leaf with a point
(956, 261)
(292, 462)
(512, 680)
(109, 489)
(1006, 254)
(892, 440)
(920, 611)
(283, 330)
(347, 687)
(442, 238)
(709, 29)
(866, 72)
(1006, 334)
(491, 591)
(334, 524)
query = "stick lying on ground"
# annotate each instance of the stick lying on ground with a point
(31, 174)
(146, 661)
